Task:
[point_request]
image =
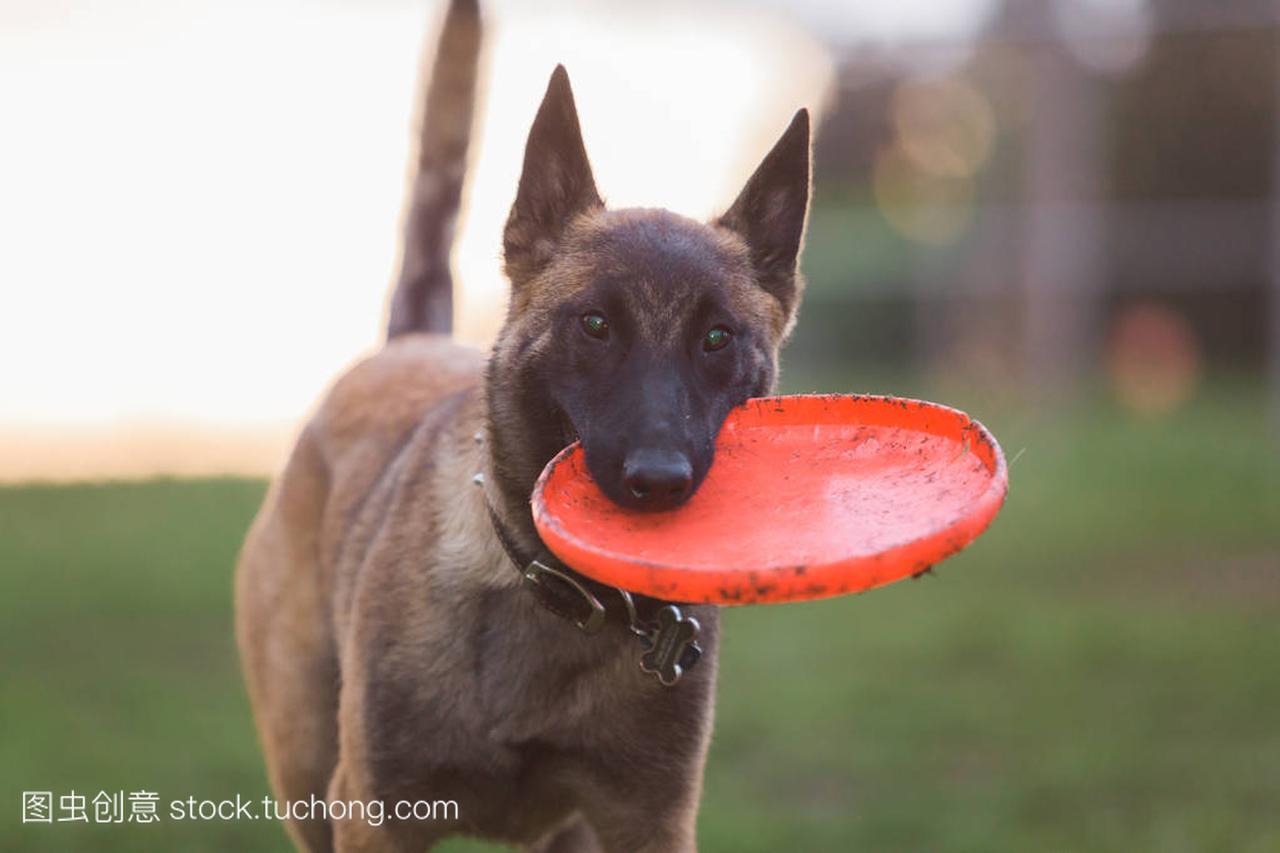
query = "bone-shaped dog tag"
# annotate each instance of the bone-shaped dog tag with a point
(675, 646)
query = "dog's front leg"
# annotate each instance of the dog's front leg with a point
(353, 835)
(630, 824)
(357, 834)
(644, 789)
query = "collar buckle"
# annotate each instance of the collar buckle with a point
(563, 594)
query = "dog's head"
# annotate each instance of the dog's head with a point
(639, 329)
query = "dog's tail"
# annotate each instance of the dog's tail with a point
(423, 297)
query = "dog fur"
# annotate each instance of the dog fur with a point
(389, 650)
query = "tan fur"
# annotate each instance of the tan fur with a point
(374, 537)
(286, 580)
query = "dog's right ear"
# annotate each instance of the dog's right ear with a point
(555, 186)
(770, 214)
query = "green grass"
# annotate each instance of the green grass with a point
(1100, 671)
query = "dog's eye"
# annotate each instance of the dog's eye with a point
(595, 325)
(717, 338)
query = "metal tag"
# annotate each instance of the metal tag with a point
(674, 646)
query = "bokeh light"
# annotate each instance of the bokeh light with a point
(924, 181)
(945, 126)
(928, 208)
(1153, 359)
(1108, 36)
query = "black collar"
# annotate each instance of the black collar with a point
(668, 637)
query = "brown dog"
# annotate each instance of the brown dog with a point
(404, 635)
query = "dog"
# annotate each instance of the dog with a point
(404, 634)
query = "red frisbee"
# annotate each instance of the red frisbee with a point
(808, 497)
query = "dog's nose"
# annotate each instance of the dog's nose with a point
(657, 479)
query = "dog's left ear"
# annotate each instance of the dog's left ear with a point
(555, 186)
(770, 213)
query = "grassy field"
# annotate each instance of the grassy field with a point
(1100, 672)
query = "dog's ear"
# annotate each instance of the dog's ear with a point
(555, 186)
(770, 213)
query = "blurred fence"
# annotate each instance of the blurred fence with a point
(1087, 188)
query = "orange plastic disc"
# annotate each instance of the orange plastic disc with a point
(808, 497)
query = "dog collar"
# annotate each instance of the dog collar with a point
(668, 638)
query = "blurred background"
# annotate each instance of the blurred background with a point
(1062, 216)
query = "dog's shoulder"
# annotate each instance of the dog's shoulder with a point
(367, 417)
(382, 398)
(397, 401)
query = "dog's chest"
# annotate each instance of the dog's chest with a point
(512, 722)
